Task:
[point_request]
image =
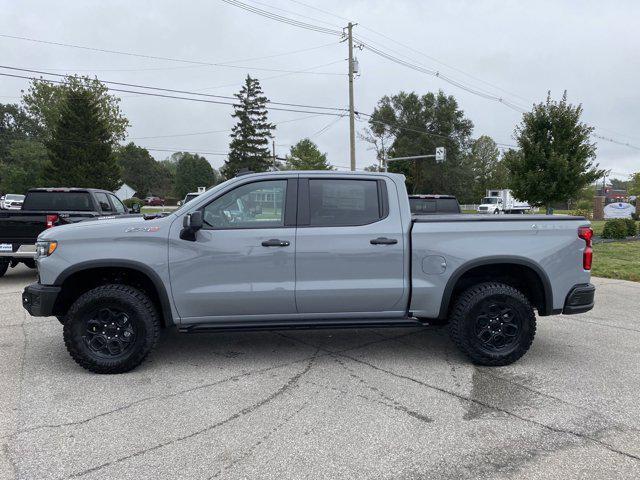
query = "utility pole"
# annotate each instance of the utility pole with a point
(352, 127)
(273, 149)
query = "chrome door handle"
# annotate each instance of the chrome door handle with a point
(274, 242)
(383, 241)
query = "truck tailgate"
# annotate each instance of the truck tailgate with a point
(21, 227)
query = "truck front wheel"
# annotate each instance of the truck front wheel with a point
(493, 324)
(111, 329)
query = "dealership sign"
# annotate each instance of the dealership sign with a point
(618, 210)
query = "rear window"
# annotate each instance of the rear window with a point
(433, 205)
(58, 201)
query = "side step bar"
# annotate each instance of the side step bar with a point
(300, 324)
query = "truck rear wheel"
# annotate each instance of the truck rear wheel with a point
(4, 265)
(111, 329)
(493, 324)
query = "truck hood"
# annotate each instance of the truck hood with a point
(106, 226)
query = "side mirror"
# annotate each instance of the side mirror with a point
(179, 203)
(135, 208)
(190, 225)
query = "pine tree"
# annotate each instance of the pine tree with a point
(249, 147)
(305, 155)
(80, 148)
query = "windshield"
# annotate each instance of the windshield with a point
(11, 196)
(190, 197)
(489, 200)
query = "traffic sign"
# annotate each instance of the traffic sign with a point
(441, 154)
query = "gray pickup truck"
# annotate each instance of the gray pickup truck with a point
(308, 250)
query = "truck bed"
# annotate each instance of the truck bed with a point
(444, 247)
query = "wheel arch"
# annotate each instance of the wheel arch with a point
(503, 268)
(83, 276)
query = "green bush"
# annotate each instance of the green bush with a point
(129, 202)
(588, 214)
(616, 228)
(585, 205)
(632, 227)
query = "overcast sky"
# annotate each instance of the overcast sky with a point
(589, 48)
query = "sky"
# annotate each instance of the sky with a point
(509, 49)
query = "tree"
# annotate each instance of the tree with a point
(416, 125)
(79, 146)
(43, 103)
(142, 172)
(618, 184)
(484, 160)
(556, 158)
(22, 166)
(249, 147)
(305, 155)
(193, 171)
(634, 184)
(15, 124)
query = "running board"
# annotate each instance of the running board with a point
(301, 324)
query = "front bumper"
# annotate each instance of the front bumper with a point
(23, 251)
(580, 299)
(39, 300)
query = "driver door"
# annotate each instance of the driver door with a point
(242, 263)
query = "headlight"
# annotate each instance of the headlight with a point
(44, 248)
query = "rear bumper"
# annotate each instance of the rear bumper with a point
(23, 251)
(580, 299)
(39, 300)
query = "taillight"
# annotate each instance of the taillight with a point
(586, 233)
(51, 219)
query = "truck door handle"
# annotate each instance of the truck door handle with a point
(383, 241)
(274, 242)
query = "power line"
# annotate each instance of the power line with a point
(201, 100)
(139, 55)
(190, 134)
(283, 19)
(170, 90)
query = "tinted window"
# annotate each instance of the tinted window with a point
(117, 204)
(343, 202)
(103, 201)
(448, 205)
(254, 205)
(422, 205)
(58, 201)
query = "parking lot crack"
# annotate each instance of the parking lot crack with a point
(509, 413)
(289, 384)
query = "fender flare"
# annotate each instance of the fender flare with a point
(495, 260)
(131, 264)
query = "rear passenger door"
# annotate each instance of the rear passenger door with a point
(349, 249)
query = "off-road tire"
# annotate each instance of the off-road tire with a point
(4, 266)
(136, 304)
(462, 323)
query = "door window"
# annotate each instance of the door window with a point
(343, 202)
(103, 201)
(253, 205)
(117, 204)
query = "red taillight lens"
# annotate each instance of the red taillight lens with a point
(51, 219)
(586, 233)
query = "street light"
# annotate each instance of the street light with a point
(440, 156)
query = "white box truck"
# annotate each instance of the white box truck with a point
(502, 201)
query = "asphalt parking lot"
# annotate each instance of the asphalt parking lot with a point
(377, 404)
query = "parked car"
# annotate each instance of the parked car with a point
(433, 204)
(44, 208)
(154, 201)
(502, 201)
(11, 201)
(188, 197)
(328, 249)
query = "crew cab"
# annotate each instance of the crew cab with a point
(307, 250)
(44, 208)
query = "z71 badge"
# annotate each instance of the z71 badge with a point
(142, 229)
